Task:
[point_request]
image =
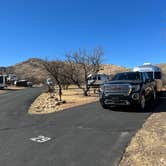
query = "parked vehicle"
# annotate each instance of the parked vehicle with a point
(128, 89)
(49, 82)
(97, 79)
(154, 73)
(11, 78)
(29, 84)
(22, 83)
(3, 81)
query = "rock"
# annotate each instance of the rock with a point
(38, 107)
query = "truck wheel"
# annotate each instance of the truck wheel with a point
(142, 102)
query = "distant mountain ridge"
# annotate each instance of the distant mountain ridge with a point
(33, 70)
(30, 69)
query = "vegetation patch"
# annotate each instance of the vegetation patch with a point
(49, 103)
(10, 88)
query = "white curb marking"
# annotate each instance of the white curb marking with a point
(40, 139)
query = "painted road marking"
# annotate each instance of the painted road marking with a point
(40, 139)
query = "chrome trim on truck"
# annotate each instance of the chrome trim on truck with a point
(117, 89)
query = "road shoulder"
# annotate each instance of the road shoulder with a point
(48, 103)
(148, 146)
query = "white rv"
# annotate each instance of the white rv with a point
(154, 73)
(12, 78)
(97, 79)
(2, 81)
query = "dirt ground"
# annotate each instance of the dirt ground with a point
(2, 91)
(148, 146)
(47, 103)
(10, 88)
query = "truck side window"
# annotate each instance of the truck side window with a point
(146, 76)
(150, 75)
(143, 77)
(157, 75)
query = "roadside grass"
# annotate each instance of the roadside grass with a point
(12, 87)
(73, 97)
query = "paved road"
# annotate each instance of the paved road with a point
(81, 136)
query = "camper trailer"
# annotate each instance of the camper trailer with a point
(97, 79)
(154, 73)
(3, 81)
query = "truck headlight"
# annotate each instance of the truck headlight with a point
(135, 88)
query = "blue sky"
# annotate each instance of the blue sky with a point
(131, 32)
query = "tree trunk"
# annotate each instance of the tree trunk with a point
(86, 88)
(60, 92)
(85, 92)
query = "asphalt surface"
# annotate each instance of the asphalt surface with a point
(81, 136)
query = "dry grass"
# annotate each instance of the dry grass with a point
(14, 88)
(148, 147)
(112, 69)
(45, 104)
(10, 88)
(2, 91)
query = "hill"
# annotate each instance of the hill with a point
(163, 69)
(112, 69)
(33, 70)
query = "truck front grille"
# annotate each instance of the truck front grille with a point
(117, 89)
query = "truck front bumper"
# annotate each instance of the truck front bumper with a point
(120, 100)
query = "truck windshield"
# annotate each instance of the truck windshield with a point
(127, 76)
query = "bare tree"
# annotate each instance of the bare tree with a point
(55, 69)
(80, 64)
